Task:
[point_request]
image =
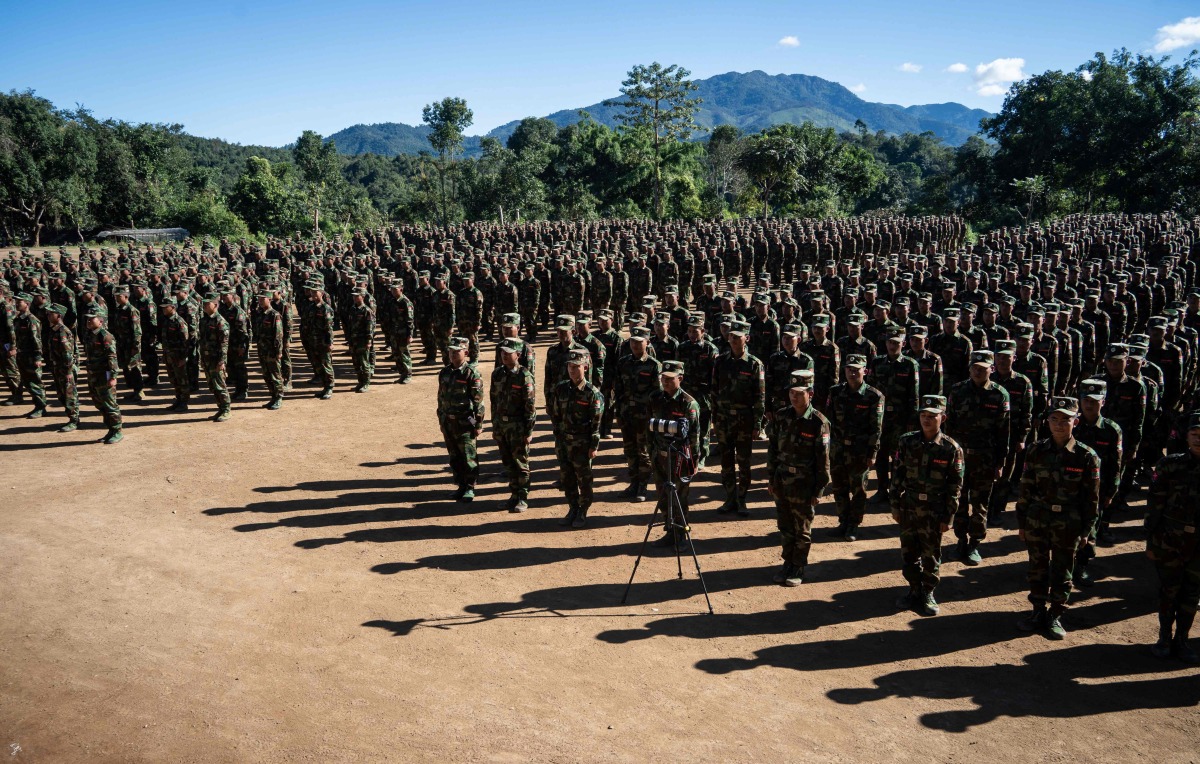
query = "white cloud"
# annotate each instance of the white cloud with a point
(993, 78)
(910, 67)
(957, 68)
(791, 41)
(1179, 35)
(859, 88)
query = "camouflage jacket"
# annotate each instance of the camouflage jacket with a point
(739, 389)
(955, 352)
(526, 357)
(637, 381)
(899, 381)
(101, 349)
(28, 331)
(577, 412)
(855, 418)
(468, 308)
(978, 418)
(1104, 437)
(798, 453)
(1173, 509)
(460, 398)
(175, 333)
(763, 339)
(677, 406)
(268, 332)
(239, 326)
(779, 370)
(214, 340)
(398, 319)
(361, 330)
(1033, 367)
(1020, 401)
(443, 317)
(61, 349)
(932, 374)
(126, 323)
(599, 356)
(513, 400)
(1125, 404)
(827, 363)
(1060, 487)
(927, 475)
(699, 359)
(556, 367)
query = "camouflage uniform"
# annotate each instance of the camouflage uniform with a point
(360, 334)
(978, 419)
(739, 402)
(460, 413)
(924, 491)
(898, 379)
(176, 343)
(1173, 533)
(680, 406)
(239, 347)
(126, 323)
(513, 417)
(268, 334)
(61, 349)
(8, 358)
(443, 321)
(699, 359)
(468, 317)
(637, 381)
(321, 340)
(214, 352)
(856, 426)
(398, 324)
(100, 348)
(576, 415)
(798, 472)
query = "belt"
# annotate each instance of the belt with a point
(791, 470)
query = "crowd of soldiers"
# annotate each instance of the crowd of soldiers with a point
(1056, 367)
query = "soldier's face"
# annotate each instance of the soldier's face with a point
(854, 375)
(576, 371)
(737, 343)
(457, 357)
(1193, 440)
(1004, 363)
(981, 373)
(1091, 407)
(931, 423)
(1115, 366)
(1061, 425)
(800, 397)
(670, 383)
(916, 344)
(509, 358)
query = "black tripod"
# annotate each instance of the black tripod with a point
(675, 523)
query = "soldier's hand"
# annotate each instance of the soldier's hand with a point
(896, 515)
(528, 439)
(592, 454)
(999, 472)
(944, 527)
(112, 383)
(1151, 555)
(1021, 534)
(1083, 541)
(37, 364)
(12, 351)
(221, 366)
(770, 490)
(478, 432)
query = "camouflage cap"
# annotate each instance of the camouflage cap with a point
(459, 343)
(933, 404)
(1095, 389)
(802, 378)
(895, 334)
(54, 307)
(918, 331)
(1064, 405)
(790, 330)
(672, 369)
(1024, 331)
(1117, 350)
(24, 297)
(358, 292)
(856, 318)
(579, 357)
(167, 302)
(950, 314)
(564, 323)
(510, 345)
(821, 319)
(1157, 322)
(637, 319)
(663, 319)
(901, 301)
(856, 361)
(639, 334)
(728, 295)
(604, 314)
(738, 328)
(982, 357)
(510, 319)
(121, 291)
(697, 321)
(1193, 420)
(93, 311)
(991, 307)
(1006, 347)
(649, 301)
(761, 299)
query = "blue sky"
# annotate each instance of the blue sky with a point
(261, 72)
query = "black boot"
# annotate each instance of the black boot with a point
(1183, 625)
(630, 492)
(1164, 646)
(580, 519)
(1082, 578)
(570, 517)
(1035, 620)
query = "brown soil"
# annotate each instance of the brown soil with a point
(297, 586)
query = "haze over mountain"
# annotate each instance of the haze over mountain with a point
(751, 101)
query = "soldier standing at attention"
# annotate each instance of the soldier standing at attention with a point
(897, 377)
(61, 349)
(557, 356)
(460, 413)
(1103, 436)
(924, 492)
(321, 340)
(361, 335)
(239, 342)
(638, 378)
(398, 325)
(468, 313)
(797, 473)
(8, 350)
(739, 403)
(510, 328)
(672, 403)
(979, 415)
(1173, 529)
(28, 331)
(443, 315)
(578, 409)
(214, 354)
(699, 358)
(513, 416)
(176, 343)
(1057, 506)
(126, 324)
(268, 332)
(1020, 421)
(101, 350)
(856, 425)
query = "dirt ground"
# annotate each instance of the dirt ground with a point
(297, 586)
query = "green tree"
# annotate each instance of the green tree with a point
(656, 102)
(446, 119)
(319, 166)
(265, 199)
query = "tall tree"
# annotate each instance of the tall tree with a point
(319, 166)
(656, 101)
(446, 119)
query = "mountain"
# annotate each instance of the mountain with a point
(751, 101)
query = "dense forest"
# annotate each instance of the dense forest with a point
(1120, 132)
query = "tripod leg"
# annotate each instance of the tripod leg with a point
(687, 534)
(641, 552)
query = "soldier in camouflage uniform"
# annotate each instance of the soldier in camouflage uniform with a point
(897, 376)
(64, 363)
(529, 297)
(126, 323)
(638, 378)
(699, 357)
(100, 348)
(460, 412)
(8, 351)
(739, 404)
(557, 355)
(268, 333)
(321, 340)
(826, 358)
(1020, 422)
(610, 338)
(1125, 404)
(584, 337)
(360, 335)
(1103, 436)
(978, 419)
(578, 409)
(239, 342)
(513, 416)
(28, 330)
(147, 309)
(176, 341)
(214, 354)
(856, 425)
(924, 491)
(398, 325)
(443, 316)
(1057, 506)
(468, 313)
(954, 349)
(671, 461)
(797, 473)
(1173, 533)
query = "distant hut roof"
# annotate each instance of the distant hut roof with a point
(145, 234)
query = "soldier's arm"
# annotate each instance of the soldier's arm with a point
(772, 456)
(496, 389)
(1156, 501)
(760, 395)
(1003, 429)
(478, 410)
(1089, 510)
(1025, 489)
(597, 416)
(876, 433)
(821, 472)
(939, 378)
(137, 327)
(899, 478)
(954, 484)
(530, 400)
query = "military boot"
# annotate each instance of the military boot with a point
(1081, 577)
(742, 509)
(1054, 628)
(468, 494)
(1184, 651)
(927, 605)
(642, 488)
(630, 492)
(795, 577)
(36, 413)
(1164, 646)
(221, 416)
(114, 436)
(1035, 620)
(239, 395)
(570, 516)
(273, 404)
(520, 506)
(71, 426)
(325, 394)
(909, 600)
(15, 400)
(458, 493)
(580, 520)
(851, 533)
(972, 557)
(1104, 536)
(729, 507)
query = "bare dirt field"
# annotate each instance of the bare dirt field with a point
(298, 586)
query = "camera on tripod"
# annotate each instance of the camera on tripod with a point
(671, 428)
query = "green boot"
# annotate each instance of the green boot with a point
(1035, 620)
(928, 606)
(1164, 646)
(1054, 628)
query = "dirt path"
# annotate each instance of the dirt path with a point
(297, 586)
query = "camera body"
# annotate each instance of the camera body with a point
(671, 428)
